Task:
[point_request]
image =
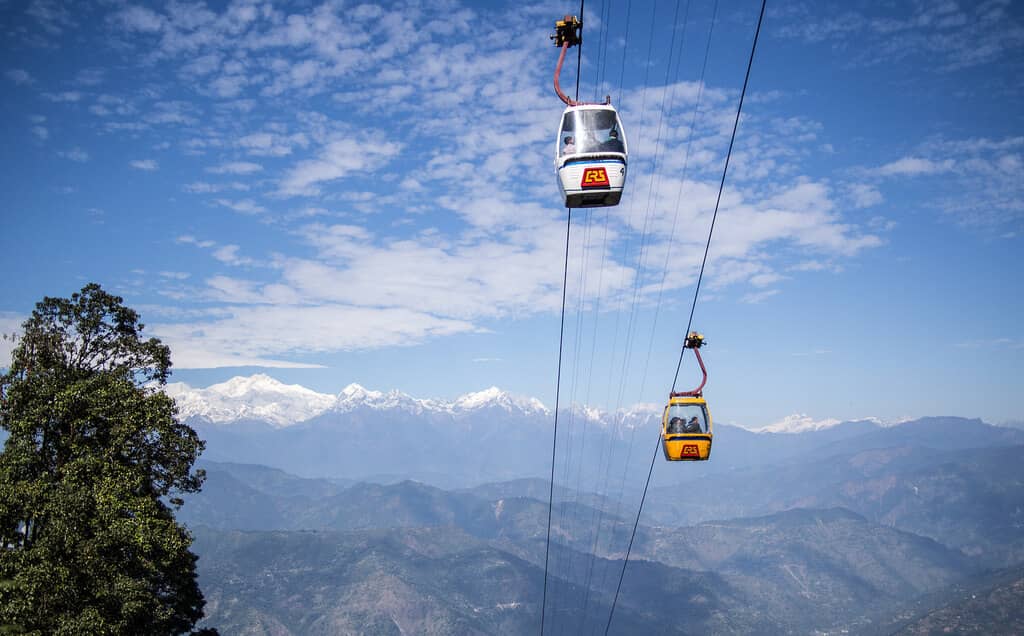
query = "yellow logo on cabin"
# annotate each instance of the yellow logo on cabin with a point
(594, 178)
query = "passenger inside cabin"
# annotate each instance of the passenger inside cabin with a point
(613, 143)
(675, 425)
(570, 146)
(693, 426)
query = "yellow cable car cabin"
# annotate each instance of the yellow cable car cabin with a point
(686, 429)
(686, 424)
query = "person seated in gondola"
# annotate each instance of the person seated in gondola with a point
(570, 146)
(613, 143)
(675, 425)
(693, 426)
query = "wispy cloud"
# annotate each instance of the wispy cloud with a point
(992, 343)
(754, 298)
(914, 166)
(446, 221)
(256, 333)
(236, 167)
(977, 181)
(74, 154)
(244, 206)
(65, 96)
(19, 76)
(229, 254)
(947, 36)
(337, 159)
(148, 165)
(52, 15)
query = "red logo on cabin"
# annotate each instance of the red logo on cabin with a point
(690, 450)
(594, 178)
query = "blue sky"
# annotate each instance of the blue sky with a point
(340, 192)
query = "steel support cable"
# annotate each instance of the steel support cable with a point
(671, 236)
(625, 252)
(625, 47)
(602, 51)
(625, 249)
(558, 375)
(628, 347)
(679, 193)
(700, 276)
(569, 436)
(604, 455)
(574, 523)
(599, 514)
(618, 311)
(643, 101)
(554, 437)
(649, 213)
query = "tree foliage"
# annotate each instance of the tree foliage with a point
(90, 475)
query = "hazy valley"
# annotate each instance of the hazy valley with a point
(857, 526)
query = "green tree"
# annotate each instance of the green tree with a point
(90, 475)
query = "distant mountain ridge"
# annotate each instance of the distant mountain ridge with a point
(262, 398)
(491, 435)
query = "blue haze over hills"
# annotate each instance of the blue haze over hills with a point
(361, 507)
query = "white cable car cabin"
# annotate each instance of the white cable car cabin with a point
(591, 156)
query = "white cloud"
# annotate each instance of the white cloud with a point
(52, 15)
(992, 343)
(245, 206)
(138, 19)
(229, 254)
(260, 333)
(74, 154)
(202, 187)
(191, 240)
(272, 144)
(754, 298)
(19, 76)
(946, 36)
(982, 187)
(90, 76)
(65, 96)
(914, 166)
(449, 220)
(337, 159)
(149, 165)
(175, 275)
(189, 354)
(40, 132)
(236, 167)
(864, 195)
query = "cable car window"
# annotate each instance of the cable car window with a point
(591, 131)
(687, 418)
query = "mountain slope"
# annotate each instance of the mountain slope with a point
(820, 564)
(422, 581)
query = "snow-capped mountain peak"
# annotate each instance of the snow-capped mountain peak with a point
(257, 397)
(356, 396)
(797, 423)
(260, 383)
(495, 397)
(356, 392)
(261, 397)
(803, 423)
